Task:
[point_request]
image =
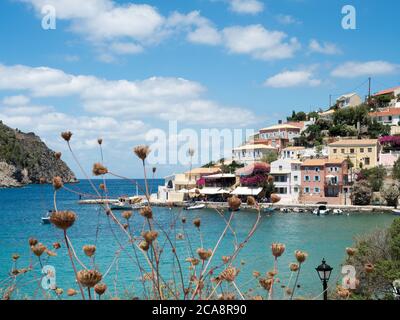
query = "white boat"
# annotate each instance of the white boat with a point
(396, 212)
(196, 207)
(134, 203)
(337, 211)
(321, 211)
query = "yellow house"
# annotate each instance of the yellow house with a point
(362, 153)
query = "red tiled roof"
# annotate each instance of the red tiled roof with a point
(387, 91)
(387, 112)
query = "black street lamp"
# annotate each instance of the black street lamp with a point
(324, 272)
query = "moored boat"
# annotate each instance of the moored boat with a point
(396, 212)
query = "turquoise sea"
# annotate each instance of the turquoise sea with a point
(20, 218)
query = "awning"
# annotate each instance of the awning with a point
(212, 191)
(246, 191)
(183, 190)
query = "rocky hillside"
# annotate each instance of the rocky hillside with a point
(25, 159)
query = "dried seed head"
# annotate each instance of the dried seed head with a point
(277, 249)
(197, 222)
(275, 198)
(150, 236)
(142, 152)
(100, 288)
(59, 291)
(193, 261)
(66, 135)
(57, 155)
(71, 292)
(197, 191)
(56, 245)
(204, 254)
(144, 245)
(343, 293)
(147, 212)
(57, 183)
(38, 249)
(256, 274)
(126, 226)
(127, 215)
(102, 186)
(15, 256)
(294, 267)
(369, 267)
(100, 141)
(42, 180)
(89, 278)
(226, 259)
(271, 274)
(63, 219)
(300, 256)
(234, 203)
(89, 250)
(257, 298)
(32, 241)
(266, 283)
(228, 296)
(270, 179)
(229, 274)
(251, 201)
(99, 169)
(351, 251)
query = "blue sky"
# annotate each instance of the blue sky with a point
(117, 69)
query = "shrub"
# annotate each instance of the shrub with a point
(362, 193)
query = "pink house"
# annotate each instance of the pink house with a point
(323, 180)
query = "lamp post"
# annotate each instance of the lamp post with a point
(324, 272)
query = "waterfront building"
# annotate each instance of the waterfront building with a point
(324, 181)
(362, 153)
(251, 153)
(287, 179)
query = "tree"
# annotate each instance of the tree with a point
(376, 130)
(361, 194)
(391, 195)
(270, 157)
(300, 116)
(381, 249)
(375, 177)
(396, 170)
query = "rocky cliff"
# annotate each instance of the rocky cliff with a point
(25, 159)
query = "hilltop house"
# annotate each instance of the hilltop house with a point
(389, 116)
(281, 131)
(324, 181)
(251, 153)
(287, 176)
(362, 153)
(348, 100)
(393, 94)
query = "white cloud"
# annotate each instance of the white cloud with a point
(165, 98)
(361, 69)
(16, 100)
(325, 48)
(288, 79)
(126, 48)
(259, 42)
(205, 35)
(246, 6)
(287, 19)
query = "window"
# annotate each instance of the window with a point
(343, 151)
(317, 169)
(334, 150)
(306, 190)
(296, 189)
(390, 118)
(280, 168)
(295, 178)
(317, 178)
(306, 178)
(362, 150)
(351, 150)
(316, 190)
(369, 149)
(367, 161)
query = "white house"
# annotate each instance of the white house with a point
(389, 116)
(348, 100)
(251, 153)
(394, 93)
(293, 153)
(287, 176)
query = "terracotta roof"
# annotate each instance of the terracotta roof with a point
(387, 112)
(387, 91)
(280, 126)
(354, 142)
(314, 162)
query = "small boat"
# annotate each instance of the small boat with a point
(321, 211)
(285, 210)
(46, 218)
(269, 210)
(134, 203)
(396, 212)
(337, 211)
(196, 207)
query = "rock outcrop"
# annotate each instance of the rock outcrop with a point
(25, 159)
